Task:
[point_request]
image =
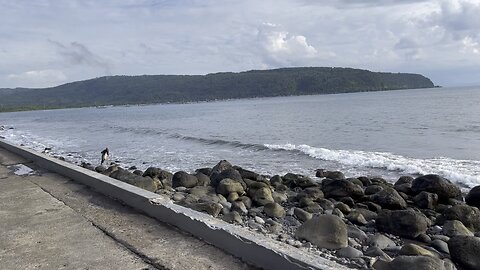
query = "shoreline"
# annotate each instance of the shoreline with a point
(289, 209)
(363, 212)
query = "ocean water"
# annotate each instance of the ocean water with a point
(387, 134)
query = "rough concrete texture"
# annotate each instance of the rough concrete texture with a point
(51, 222)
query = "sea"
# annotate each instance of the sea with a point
(378, 134)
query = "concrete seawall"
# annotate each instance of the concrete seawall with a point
(253, 248)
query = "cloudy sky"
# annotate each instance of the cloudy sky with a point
(49, 42)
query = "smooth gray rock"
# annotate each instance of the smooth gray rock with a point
(156, 173)
(202, 191)
(465, 251)
(325, 231)
(232, 217)
(440, 245)
(380, 241)
(239, 206)
(455, 227)
(203, 179)
(227, 186)
(436, 184)
(426, 200)
(468, 215)
(356, 218)
(221, 166)
(100, 168)
(334, 175)
(263, 196)
(414, 250)
(349, 252)
(230, 173)
(343, 207)
(297, 180)
(341, 188)
(372, 189)
(356, 233)
(279, 197)
(301, 214)
(367, 214)
(146, 183)
(389, 198)
(208, 207)
(405, 223)
(274, 210)
(404, 180)
(412, 263)
(183, 179)
(473, 197)
(377, 252)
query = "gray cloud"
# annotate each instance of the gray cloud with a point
(433, 37)
(76, 53)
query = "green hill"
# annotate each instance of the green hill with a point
(116, 90)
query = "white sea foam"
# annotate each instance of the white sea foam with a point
(465, 172)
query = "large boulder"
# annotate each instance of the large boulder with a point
(404, 180)
(324, 231)
(349, 252)
(203, 179)
(221, 166)
(468, 215)
(211, 208)
(334, 175)
(473, 197)
(297, 180)
(389, 198)
(263, 196)
(380, 241)
(301, 214)
(405, 223)
(231, 173)
(465, 251)
(341, 188)
(274, 210)
(133, 179)
(436, 184)
(247, 174)
(183, 179)
(455, 227)
(311, 192)
(411, 249)
(163, 176)
(411, 263)
(227, 186)
(426, 200)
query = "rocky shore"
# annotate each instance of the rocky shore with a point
(416, 223)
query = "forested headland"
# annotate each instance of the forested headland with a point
(148, 89)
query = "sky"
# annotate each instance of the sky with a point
(50, 42)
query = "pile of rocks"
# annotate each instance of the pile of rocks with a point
(421, 223)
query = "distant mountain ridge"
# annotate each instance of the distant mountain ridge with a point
(147, 89)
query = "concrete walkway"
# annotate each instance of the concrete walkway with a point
(50, 222)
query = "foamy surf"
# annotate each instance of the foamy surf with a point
(463, 172)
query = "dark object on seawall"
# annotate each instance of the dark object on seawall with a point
(105, 155)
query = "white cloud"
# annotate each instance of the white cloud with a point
(470, 45)
(32, 78)
(280, 48)
(85, 39)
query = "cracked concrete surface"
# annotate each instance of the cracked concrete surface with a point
(50, 222)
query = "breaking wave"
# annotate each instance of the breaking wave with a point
(462, 172)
